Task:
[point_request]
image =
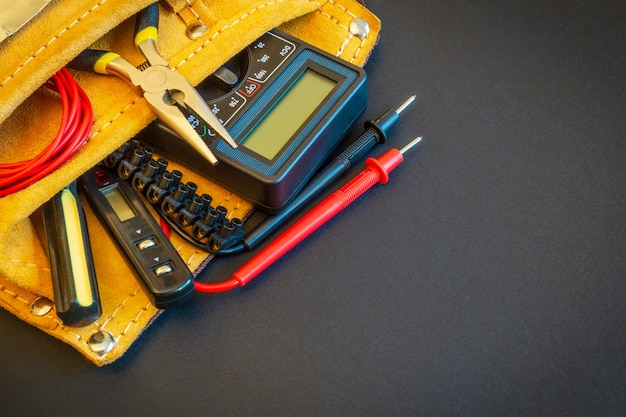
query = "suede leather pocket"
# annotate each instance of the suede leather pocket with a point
(29, 115)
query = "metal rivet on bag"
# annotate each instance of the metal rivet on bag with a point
(101, 342)
(195, 30)
(40, 306)
(359, 28)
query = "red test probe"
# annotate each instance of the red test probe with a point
(376, 171)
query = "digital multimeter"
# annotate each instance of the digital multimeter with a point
(286, 103)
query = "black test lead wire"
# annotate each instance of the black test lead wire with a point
(376, 132)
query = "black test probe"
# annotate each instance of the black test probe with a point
(375, 133)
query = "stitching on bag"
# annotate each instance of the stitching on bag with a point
(342, 7)
(27, 303)
(115, 117)
(133, 322)
(13, 294)
(31, 265)
(51, 41)
(190, 6)
(232, 24)
(124, 332)
(79, 337)
(193, 255)
(119, 307)
(344, 45)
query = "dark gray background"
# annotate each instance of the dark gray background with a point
(486, 279)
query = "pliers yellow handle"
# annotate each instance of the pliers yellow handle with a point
(162, 88)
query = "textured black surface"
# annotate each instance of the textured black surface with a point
(486, 279)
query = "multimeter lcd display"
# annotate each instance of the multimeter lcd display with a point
(289, 113)
(118, 203)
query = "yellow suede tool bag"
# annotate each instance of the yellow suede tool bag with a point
(196, 37)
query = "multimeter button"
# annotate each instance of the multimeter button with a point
(146, 243)
(163, 269)
(249, 88)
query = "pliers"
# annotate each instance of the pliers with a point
(162, 88)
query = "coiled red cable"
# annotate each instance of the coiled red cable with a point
(73, 132)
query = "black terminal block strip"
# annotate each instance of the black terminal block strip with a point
(180, 204)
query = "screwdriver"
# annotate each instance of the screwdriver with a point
(71, 262)
(375, 133)
(376, 171)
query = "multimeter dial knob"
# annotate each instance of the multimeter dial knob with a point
(226, 79)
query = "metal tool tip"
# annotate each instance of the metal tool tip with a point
(411, 144)
(204, 150)
(405, 104)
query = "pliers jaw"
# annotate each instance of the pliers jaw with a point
(172, 117)
(164, 90)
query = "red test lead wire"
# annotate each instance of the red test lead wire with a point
(377, 171)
